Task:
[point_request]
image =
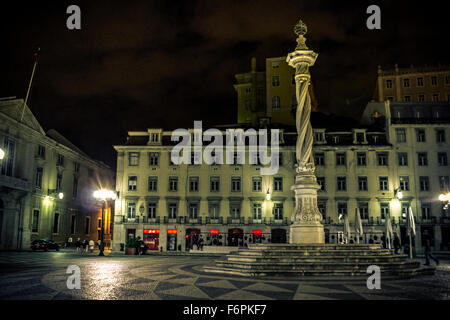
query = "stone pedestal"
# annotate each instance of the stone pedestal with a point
(306, 227)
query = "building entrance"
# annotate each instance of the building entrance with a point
(235, 237)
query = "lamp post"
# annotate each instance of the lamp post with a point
(103, 196)
(2, 154)
(445, 198)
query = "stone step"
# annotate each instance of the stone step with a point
(311, 252)
(285, 246)
(332, 274)
(317, 259)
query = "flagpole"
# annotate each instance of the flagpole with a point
(29, 84)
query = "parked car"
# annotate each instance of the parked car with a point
(43, 244)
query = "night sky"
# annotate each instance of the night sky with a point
(140, 64)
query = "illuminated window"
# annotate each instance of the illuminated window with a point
(132, 183)
(133, 158)
(383, 183)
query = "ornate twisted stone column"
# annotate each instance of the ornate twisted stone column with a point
(306, 227)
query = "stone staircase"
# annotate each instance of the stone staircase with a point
(316, 260)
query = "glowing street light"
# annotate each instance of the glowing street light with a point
(268, 195)
(103, 195)
(2, 154)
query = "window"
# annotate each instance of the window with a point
(275, 103)
(35, 223)
(319, 158)
(235, 184)
(132, 183)
(421, 98)
(340, 159)
(41, 152)
(76, 167)
(435, 97)
(389, 84)
(214, 210)
(278, 211)
(193, 210)
(193, 184)
(87, 225)
(38, 180)
(154, 137)
(214, 184)
(73, 220)
(277, 184)
(407, 99)
(153, 158)
(364, 210)
(319, 137)
(153, 184)
(382, 158)
(401, 135)
(420, 82)
(173, 184)
(362, 183)
(434, 81)
(75, 187)
(342, 208)
(322, 206)
(56, 223)
(384, 210)
(321, 183)
(59, 182)
(402, 159)
(60, 160)
(133, 159)
(8, 161)
(152, 210)
(257, 211)
(256, 184)
(406, 83)
(442, 159)
(404, 183)
(444, 183)
(173, 209)
(235, 210)
(360, 137)
(426, 212)
(440, 136)
(276, 81)
(384, 183)
(420, 135)
(361, 159)
(422, 158)
(341, 183)
(424, 183)
(131, 210)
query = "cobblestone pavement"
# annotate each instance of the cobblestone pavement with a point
(42, 276)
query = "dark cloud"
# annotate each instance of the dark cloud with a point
(145, 63)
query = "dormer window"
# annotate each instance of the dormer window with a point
(359, 136)
(335, 139)
(319, 136)
(154, 137)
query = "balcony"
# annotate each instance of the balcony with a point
(155, 220)
(15, 183)
(236, 220)
(215, 220)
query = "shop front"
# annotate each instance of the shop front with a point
(192, 238)
(257, 236)
(151, 239)
(235, 237)
(214, 238)
(172, 239)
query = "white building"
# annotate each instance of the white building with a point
(171, 206)
(37, 169)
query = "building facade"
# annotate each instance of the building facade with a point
(171, 206)
(46, 183)
(425, 84)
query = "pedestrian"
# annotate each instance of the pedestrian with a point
(383, 240)
(69, 242)
(85, 245)
(371, 240)
(91, 245)
(396, 243)
(427, 239)
(78, 244)
(201, 243)
(138, 245)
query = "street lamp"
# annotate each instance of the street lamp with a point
(103, 196)
(446, 199)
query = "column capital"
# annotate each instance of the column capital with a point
(297, 57)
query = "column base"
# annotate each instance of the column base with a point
(306, 233)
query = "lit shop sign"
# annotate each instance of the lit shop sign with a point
(151, 231)
(257, 232)
(172, 231)
(213, 232)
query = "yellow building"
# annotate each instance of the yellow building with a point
(425, 84)
(269, 94)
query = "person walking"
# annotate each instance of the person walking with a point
(78, 244)
(427, 242)
(396, 243)
(69, 242)
(85, 245)
(91, 246)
